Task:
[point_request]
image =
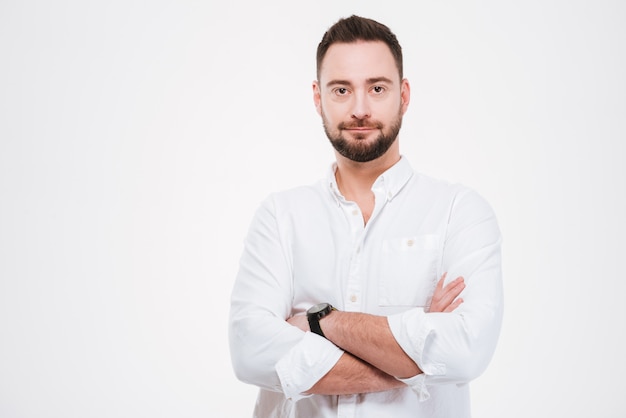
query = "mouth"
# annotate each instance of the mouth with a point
(360, 127)
(360, 132)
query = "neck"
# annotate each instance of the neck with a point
(355, 179)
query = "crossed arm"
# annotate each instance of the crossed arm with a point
(372, 359)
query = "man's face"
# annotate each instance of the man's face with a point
(361, 99)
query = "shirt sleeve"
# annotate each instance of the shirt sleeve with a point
(305, 364)
(266, 351)
(454, 348)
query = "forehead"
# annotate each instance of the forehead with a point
(358, 61)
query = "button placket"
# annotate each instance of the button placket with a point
(346, 407)
(353, 292)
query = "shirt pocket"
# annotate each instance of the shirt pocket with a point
(408, 273)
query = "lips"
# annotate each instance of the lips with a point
(360, 126)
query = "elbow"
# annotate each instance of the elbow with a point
(237, 360)
(469, 368)
(254, 363)
(473, 360)
(242, 355)
(466, 353)
(239, 366)
(462, 364)
(246, 360)
(245, 368)
(477, 342)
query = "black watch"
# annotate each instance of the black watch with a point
(317, 312)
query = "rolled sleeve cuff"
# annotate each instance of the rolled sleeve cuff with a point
(417, 384)
(412, 330)
(305, 364)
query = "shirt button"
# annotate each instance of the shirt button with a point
(355, 212)
(410, 242)
(353, 298)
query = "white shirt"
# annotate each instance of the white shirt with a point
(309, 245)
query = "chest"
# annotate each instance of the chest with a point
(388, 265)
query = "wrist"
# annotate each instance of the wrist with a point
(315, 314)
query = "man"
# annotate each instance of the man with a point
(342, 306)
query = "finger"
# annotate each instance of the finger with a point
(444, 295)
(451, 291)
(456, 281)
(439, 289)
(454, 288)
(441, 281)
(454, 305)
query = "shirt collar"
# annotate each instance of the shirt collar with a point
(389, 183)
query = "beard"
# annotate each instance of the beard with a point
(359, 149)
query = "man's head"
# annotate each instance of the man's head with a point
(360, 93)
(355, 28)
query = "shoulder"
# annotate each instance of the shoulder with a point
(436, 187)
(296, 199)
(457, 196)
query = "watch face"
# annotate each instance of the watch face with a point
(318, 308)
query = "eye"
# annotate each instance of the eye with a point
(378, 89)
(341, 91)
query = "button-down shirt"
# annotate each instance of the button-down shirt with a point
(309, 245)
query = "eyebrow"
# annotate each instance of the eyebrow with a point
(371, 80)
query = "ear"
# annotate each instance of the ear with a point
(405, 94)
(317, 98)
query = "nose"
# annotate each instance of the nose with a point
(360, 106)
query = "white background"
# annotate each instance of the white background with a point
(138, 137)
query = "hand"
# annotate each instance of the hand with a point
(299, 321)
(445, 297)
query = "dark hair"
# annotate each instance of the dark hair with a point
(356, 28)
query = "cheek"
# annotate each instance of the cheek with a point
(386, 113)
(330, 112)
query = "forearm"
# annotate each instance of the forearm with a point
(351, 375)
(369, 338)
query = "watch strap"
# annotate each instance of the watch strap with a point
(314, 324)
(315, 314)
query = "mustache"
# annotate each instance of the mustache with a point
(360, 123)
